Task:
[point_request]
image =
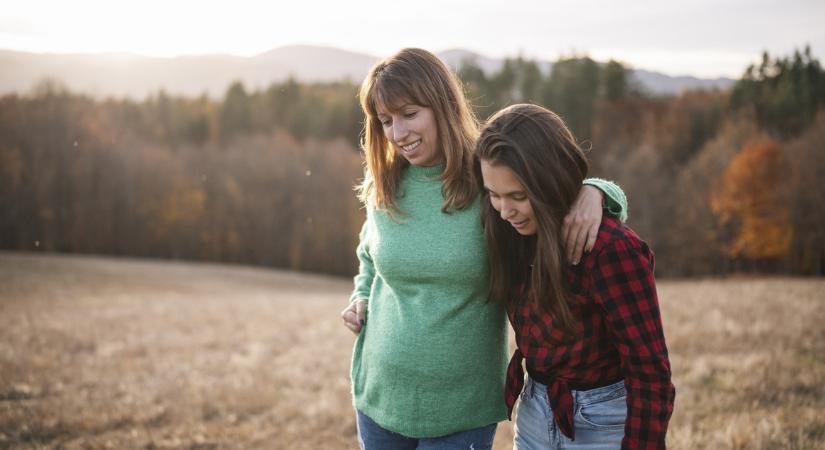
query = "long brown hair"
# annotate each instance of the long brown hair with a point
(541, 151)
(417, 76)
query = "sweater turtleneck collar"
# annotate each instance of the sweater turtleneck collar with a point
(425, 173)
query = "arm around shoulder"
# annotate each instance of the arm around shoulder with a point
(615, 201)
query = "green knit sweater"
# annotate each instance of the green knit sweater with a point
(432, 357)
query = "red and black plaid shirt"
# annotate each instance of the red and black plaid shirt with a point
(617, 334)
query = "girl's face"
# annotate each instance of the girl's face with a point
(414, 133)
(509, 198)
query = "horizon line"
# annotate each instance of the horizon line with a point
(577, 54)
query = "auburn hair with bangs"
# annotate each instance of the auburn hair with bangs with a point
(416, 76)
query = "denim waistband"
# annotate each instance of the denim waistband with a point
(614, 389)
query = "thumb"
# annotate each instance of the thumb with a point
(361, 312)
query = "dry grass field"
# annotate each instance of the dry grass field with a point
(107, 353)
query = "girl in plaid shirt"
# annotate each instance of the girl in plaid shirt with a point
(591, 333)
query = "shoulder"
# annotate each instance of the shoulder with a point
(613, 233)
(617, 240)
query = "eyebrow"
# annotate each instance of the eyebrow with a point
(397, 109)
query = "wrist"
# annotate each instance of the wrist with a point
(597, 192)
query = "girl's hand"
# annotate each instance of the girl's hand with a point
(581, 225)
(355, 315)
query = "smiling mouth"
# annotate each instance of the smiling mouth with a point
(519, 224)
(410, 147)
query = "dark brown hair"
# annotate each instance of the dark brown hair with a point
(417, 76)
(541, 151)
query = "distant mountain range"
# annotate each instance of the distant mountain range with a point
(125, 75)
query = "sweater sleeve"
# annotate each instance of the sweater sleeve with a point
(615, 201)
(366, 270)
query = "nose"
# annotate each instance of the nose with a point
(399, 130)
(506, 209)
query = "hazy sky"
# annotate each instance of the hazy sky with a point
(698, 37)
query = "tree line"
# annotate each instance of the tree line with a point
(718, 181)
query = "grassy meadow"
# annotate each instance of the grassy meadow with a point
(99, 353)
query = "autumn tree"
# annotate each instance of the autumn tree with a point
(750, 199)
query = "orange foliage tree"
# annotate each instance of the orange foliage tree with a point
(750, 197)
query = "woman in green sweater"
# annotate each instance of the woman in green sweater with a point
(428, 366)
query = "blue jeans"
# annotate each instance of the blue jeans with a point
(372, 436)
(598, 417)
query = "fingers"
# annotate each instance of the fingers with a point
(591, 237)
(350, 318)
(355, 315)
(351, 322)
(361, 312)
(581, 225)
(566, 234)
(575, 237)
(583, 229)
(574, 252)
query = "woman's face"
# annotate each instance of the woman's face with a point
(509, 198)
(413, 131)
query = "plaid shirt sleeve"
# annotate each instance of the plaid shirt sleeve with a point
(624, 287)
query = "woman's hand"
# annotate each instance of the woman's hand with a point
(355, 315)
(581, 225)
